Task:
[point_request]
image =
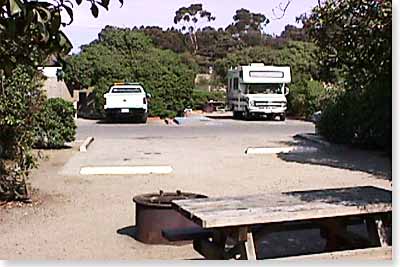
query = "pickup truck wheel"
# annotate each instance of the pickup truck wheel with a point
(143, 119)
(237, 114)
(282, 117)
(109, 117)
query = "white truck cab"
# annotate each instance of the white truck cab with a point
(258, 90)
(126, 100)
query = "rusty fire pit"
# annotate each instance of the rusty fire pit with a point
(154, 213)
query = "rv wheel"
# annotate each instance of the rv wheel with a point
(247, 114)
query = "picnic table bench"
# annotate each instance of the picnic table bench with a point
(230, 225)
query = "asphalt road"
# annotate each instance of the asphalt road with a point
(194, 127)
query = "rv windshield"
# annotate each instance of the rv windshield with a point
(264, 88)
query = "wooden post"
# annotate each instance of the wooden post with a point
(245, 235)
(378, 230)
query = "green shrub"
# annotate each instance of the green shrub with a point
(305, 98)
(55, 125)
(20, 100)
(201, 97)
(355, 38)
(360, 118)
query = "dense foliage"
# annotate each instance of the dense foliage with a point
(30, 30)
(126, 55)
(30, 33)
(19, 102)
(55, 124)
(355, 37)
(201, 97)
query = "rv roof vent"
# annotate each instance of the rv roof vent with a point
(257, 64)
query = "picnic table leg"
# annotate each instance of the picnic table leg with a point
(377, 227)
(246, 236)
(330, 230)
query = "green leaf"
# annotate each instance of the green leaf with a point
(44, 14)
(95, 10)
(64, 43)
(78, 2)
(55, 22)
(70, 13)
(16, 7)
(104, 3)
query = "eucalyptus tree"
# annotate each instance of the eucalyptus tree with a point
(189, 18)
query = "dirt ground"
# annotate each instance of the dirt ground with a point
(77, 217)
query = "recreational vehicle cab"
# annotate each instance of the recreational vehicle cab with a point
(258, 90)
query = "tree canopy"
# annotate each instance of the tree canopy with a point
(31, 30)
(189, 17)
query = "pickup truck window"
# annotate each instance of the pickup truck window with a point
(120, 90)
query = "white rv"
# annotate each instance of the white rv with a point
(258, 90)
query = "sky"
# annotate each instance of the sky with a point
(85, 28)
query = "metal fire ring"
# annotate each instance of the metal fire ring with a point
(164, 199)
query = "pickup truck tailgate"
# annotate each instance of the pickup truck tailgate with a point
(124, 100)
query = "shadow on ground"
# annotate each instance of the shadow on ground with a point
(230, 117)
(128, 231)
(120, 121)
(344, 158)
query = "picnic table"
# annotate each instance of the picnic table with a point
(229, 225)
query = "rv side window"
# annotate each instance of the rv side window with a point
(236, 84)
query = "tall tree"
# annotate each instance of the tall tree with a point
(248, 26)
(189, 18)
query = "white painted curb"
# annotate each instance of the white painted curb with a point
(276, 150)
(123, 170)
(86, 143)
(268, 150)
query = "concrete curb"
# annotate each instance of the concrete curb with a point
(267, 150)
(124, 170)
(277, 150)
(86, 143)
(313, 138)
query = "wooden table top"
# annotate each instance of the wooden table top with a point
(284, 207)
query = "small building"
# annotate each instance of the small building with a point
(53, 86)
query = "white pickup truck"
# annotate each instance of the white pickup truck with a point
(126, 100)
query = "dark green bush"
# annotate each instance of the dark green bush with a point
(55, 125)
(360, 118)
(20, 100)
(355, 37)
(305, 98)
(201, 97)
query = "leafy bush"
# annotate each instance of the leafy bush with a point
(306, 98)
(356, 37)
(55, 125)
(20, 100)
(201, 97)
(359, 118)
